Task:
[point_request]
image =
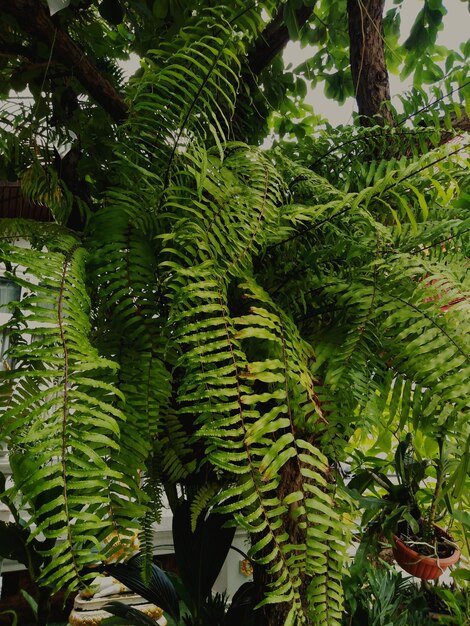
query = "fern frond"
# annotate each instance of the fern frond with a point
(432, 346)
(188, 89)
(62, 428)
(230, 211)
(201, 501)
(247, 407)
(174, 451)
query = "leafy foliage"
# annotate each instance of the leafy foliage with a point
(197, 604)
(230, 316)
(380, 595)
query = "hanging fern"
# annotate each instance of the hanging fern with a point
(61, 421)
(227, 321)
(351, 311)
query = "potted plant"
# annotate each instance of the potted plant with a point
(420, 546)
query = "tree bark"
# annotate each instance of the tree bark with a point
(33, 17)
(291, 481)
(368, 66)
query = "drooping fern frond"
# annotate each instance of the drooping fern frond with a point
(201, 501)
(240, 397)
(353, 259)
(37, 232)
(123, 275)
(310, 491)
(428, 344)
(187, 92)
(61, 427)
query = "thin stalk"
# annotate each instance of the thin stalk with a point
(429, 527)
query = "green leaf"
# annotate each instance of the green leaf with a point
(414, 525)
(31, 601)
(461, 574)
(290, 20)
(14, 620)
(126, 615)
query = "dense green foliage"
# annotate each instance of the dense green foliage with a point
(230, 317)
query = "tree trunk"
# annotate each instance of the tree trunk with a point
(291, 480)
(368, 67)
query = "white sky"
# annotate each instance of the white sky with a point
(456, 30)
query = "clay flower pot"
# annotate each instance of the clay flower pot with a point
(424, 567)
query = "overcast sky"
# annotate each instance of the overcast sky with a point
(456, 30)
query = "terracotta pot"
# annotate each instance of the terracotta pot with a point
(424, 567)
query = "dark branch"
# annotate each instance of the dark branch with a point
(273, 39)
(33, 17)
(248, 112)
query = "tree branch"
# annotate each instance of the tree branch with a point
(250, 114)
(274, 38)
(35, 20)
